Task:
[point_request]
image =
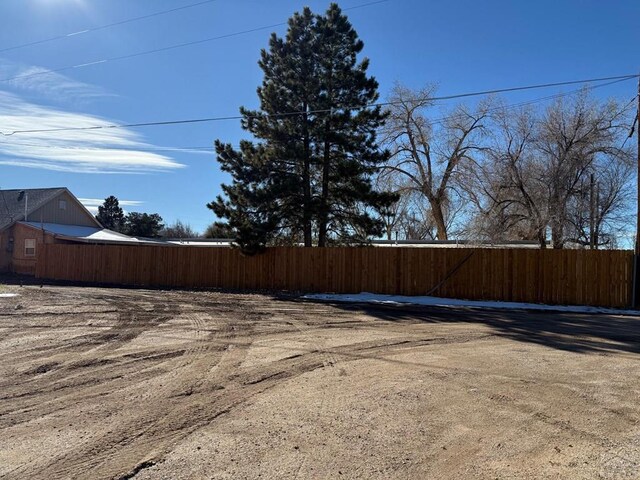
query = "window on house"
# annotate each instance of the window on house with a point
(29, 247)
(62, 204)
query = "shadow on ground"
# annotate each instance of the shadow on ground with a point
(582, 333)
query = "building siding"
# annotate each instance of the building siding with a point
(74, 214)
(20, 263)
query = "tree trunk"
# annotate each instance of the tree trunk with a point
(557, 235)
(324, 200)
(558, 219)
(438, 217)
(323, 219)
(306, 180)
(542, 237)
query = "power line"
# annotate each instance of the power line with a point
(531, 87)
(209, 149)
(167, 48)
(200, 149)
(108, 25)
(530, 102)
(318, 111)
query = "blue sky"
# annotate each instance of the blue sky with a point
(462, 46)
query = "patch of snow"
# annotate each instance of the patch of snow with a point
(88, 234)
(452, 302)
(8, 295)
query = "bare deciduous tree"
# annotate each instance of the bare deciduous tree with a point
(393, 215)
(535, 176)
(598, 214)
(573, 136)
(506, 185)
(429, 153)
(179, 229)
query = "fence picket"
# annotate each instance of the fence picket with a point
(599, 278)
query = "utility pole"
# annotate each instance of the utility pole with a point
(597, 215)
(592, 213)
(636, 251)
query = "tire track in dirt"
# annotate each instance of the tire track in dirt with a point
(368, 350)
(114, 334)
(234, 354)
(330, 359)
(207, 381)
(88, 369)
(131, 320)
(152, 433)
(65, 380)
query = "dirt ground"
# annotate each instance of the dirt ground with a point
(115, 383)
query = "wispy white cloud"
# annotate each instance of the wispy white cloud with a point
(84, 151)
(92, 204)
(46, 84)
(93, 151)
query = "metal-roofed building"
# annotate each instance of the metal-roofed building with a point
(31, 217)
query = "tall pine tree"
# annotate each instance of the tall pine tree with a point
(309, 175)
(110, 215)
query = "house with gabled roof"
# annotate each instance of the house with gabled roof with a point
(31, 217)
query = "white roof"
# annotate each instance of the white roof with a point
(88, 234)
(200, 243)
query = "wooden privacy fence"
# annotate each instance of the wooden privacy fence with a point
(581, 277)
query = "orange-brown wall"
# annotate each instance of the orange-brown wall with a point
(15, 260)
(20, 263)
